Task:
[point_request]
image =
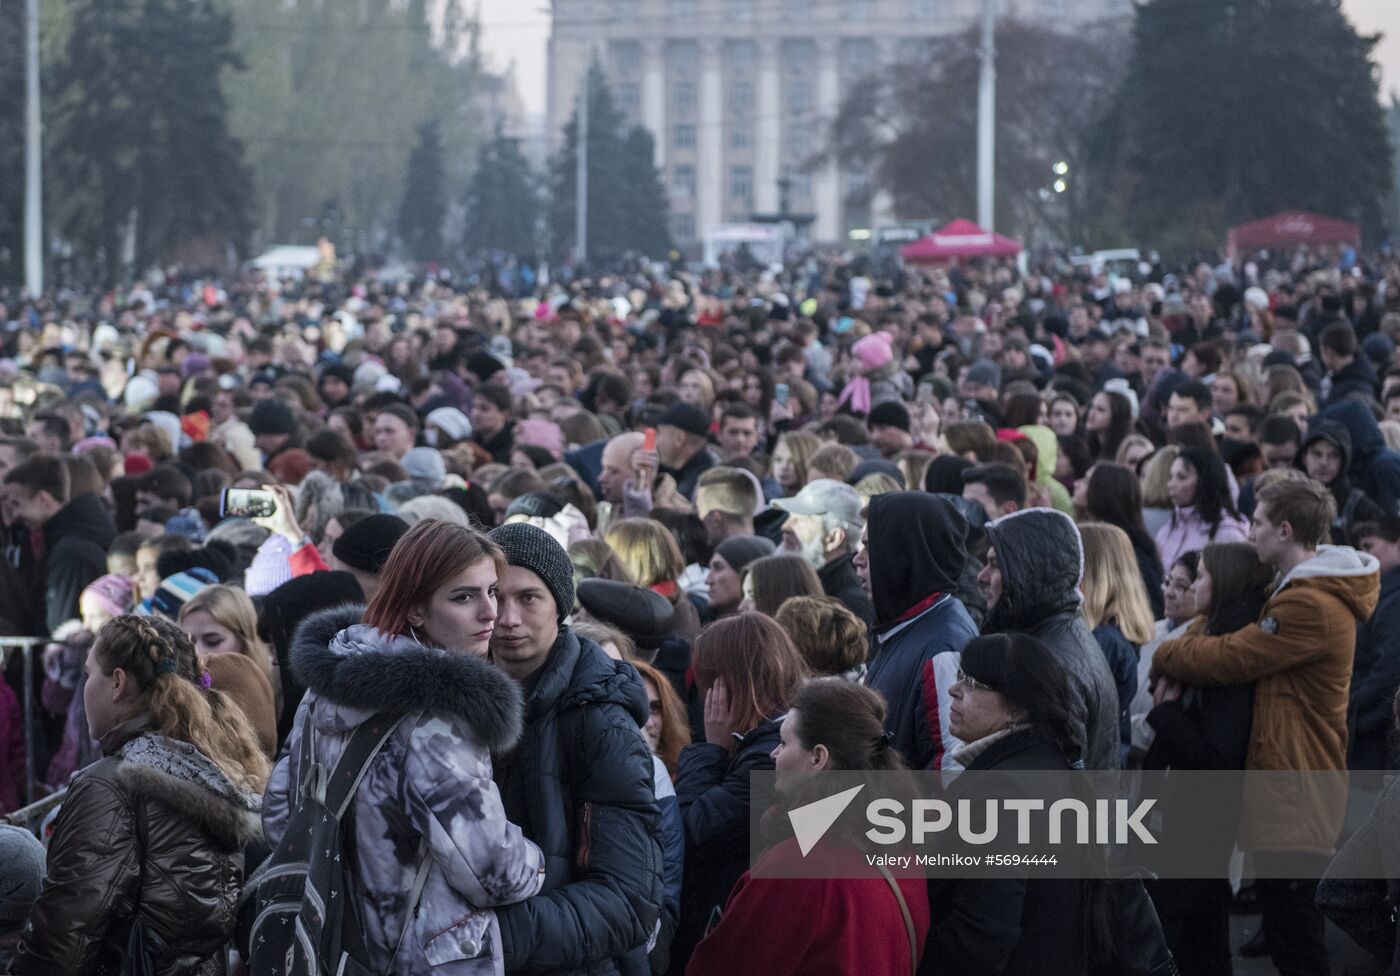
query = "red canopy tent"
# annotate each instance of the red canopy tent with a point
(960, 239)
(1289, 229)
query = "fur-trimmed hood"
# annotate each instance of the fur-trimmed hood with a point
(363, 671)
(189, 782)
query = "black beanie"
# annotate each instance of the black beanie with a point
(890, 413)
(271, 416)
(642, 614)
(740, 550)
(536, 550)
(366, 544)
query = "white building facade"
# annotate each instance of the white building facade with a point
(739, 94)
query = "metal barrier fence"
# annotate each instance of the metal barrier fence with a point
(28, 647)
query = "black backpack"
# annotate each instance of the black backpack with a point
(303, 925)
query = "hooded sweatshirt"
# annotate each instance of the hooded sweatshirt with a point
(1047, 446)
(1374, 468)
(1042, 562)
(1299, 654)
(915, 543)
(1352, 504)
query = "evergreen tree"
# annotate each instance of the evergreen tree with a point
(333, 102)
(626, 206)
(1235, 110)
(424, 200)
(141, 148)
(503, 204)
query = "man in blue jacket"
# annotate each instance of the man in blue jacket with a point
(579, 783)
(911, 556)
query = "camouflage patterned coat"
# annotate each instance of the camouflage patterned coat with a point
(431, 780)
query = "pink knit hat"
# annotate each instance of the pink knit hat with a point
(111, 592)
(874, 351)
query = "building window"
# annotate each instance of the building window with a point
(799, 95)
(626, 10)
(928, 9)
(741, 98)
(683, 96)
(740, 137)
(683, 137)
(629, 98)
(682, 9)
(683, 227)
(799, 141)
(799, 9)
(739, 10)
(857, 11)
(741, 182)
(627, 60)
(683, 182)
(799, 183)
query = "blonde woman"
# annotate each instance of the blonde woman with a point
(1117, 610)
(1157, 506)
(649, 553)
(222, 620)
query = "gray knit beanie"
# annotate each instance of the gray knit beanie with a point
(22, 867)
(536, 550)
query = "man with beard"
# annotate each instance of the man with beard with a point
(823, 526)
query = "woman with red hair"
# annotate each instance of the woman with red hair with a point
(419, 655)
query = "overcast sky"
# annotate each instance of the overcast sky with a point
(515, 31)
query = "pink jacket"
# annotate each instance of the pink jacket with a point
(1186, 531)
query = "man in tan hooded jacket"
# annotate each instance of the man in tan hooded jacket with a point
(1299, 656)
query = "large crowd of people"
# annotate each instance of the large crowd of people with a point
(522, 590)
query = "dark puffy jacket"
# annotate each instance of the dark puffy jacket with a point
(1042, 561)
(197, 823)
(1375, 676)
(579, 783)
(76, 541)
(1374, 468)
(713, 788)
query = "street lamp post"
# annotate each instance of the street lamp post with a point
(33, 176)
(987, 118)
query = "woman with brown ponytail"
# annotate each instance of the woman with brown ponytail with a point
(155, 830)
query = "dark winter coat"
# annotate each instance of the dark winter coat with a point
(839, 580)
(1008, 926)
(430, 783)
(1122, 658)
(197, 822)
(579, 783)
(1042, 561)
(714, 792)
(1375, 677)
(75, 545)
(1356, 377)
(1374, 468)
(1359, 904)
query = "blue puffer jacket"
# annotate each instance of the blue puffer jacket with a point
(579, 784)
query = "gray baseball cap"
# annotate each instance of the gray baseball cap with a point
(824, 496)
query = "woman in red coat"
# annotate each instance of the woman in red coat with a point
(832, 925)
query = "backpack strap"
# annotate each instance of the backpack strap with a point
(425, 862)
(365, 742)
